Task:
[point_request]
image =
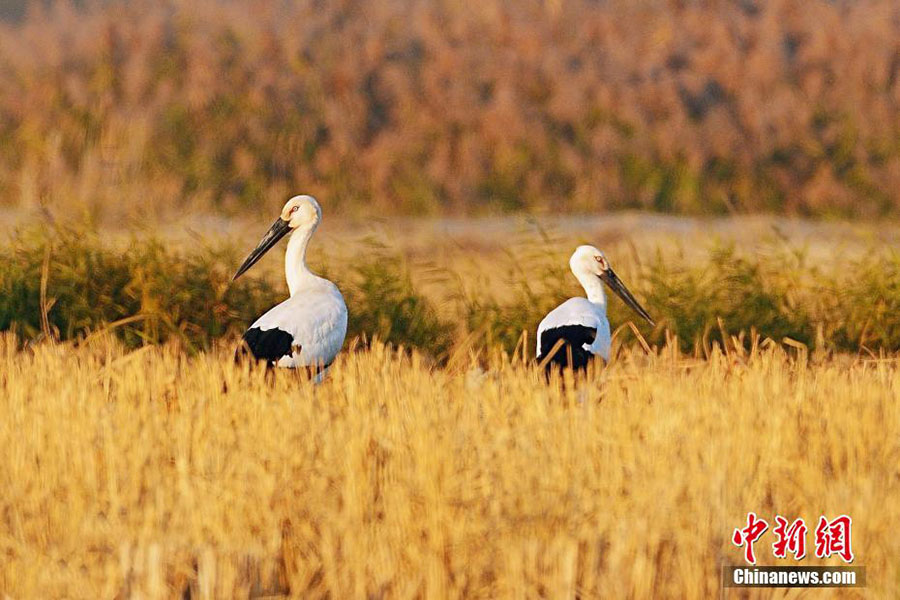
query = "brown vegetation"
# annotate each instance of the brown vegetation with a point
(413, 106)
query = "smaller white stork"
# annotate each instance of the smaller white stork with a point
(308, 329)
(578, 328)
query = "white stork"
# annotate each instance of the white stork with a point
(578, 327)
(307, 329)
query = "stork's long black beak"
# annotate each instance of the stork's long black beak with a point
(277, 231)
(610, 278)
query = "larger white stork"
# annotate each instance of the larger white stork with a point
(580, 324)
(307, 329)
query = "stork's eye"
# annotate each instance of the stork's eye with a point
(601, 261)
(294, 209)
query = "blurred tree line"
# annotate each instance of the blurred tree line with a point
(448, 107)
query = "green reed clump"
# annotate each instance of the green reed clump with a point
(730, 294)
(383, 302)
(498, 323)
(862, 298)
(146, 291)
(83, 285)
(535, 280)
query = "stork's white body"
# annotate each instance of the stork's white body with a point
(316, 320)
(580, 312)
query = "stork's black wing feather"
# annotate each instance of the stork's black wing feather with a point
(574, 337)
(269, 345)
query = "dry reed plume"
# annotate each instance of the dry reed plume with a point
(143, 473)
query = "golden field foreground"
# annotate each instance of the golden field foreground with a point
(138, 474)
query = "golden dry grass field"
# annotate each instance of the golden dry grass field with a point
(141, 474)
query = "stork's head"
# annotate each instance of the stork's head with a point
(588, 261)
(300, 213)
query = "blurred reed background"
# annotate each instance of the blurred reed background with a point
(138, 110)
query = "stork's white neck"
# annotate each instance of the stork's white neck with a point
(296, 272)
(593, 287)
